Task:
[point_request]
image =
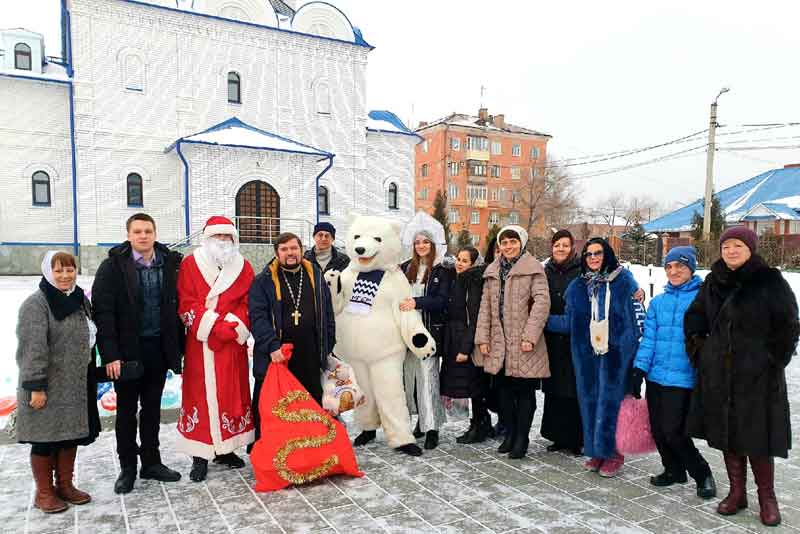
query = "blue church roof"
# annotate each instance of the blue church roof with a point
(777, 186)
(388, 122)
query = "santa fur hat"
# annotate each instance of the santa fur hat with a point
(218, 224)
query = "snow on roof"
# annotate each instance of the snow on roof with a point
(782, 211)
(235, 133)
(780, 186)
(473, 121)
(387, 122)
(50, 72)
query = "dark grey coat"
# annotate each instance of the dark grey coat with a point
(56, 353)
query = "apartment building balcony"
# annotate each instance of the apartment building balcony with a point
(476, 179)
(479, 155)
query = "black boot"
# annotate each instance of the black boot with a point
(199, 469)
(417, 432)
(431, 439)
(125, 480)
(229, 459)
(364, 438)
(469, 435)
(668, 478)
(706, 486)
(411, 449)
(526, 407)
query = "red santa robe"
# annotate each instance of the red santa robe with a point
(216, 414)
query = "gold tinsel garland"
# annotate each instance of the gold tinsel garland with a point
(302, 415)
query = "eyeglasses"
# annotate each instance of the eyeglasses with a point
(595, 254)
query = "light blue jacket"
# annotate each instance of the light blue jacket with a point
(662, 350)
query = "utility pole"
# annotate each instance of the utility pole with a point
(712, 128)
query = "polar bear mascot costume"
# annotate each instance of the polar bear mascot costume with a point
(372, 334)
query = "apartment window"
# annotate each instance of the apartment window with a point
(494, 218)
(535, 152)
(452, 216)
(497, 147)
(477, 143)
(22, 56)
(475, 217)
(455, 143)
(513, 217)
(452, 191)
(516, 150)
(494, 195)
(133, 187)
(391, 197)
(476, 192)
(423, 193)
(515, 196)
(234, 88)
(475, 239)
(515, 173)
(323, 198)
(425, 146)
(501, 194)
(452, 168)
(495, 171)
(477, 168)
(424, 170)
(41, 188)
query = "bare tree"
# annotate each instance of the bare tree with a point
(547, 197)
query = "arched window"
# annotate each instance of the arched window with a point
(134, 73)
(134, 189)
(322, 97)
(22, 56)
(391, 196)
(324, 201)
(41, 188)
(234, 88)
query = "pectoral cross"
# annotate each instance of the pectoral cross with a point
(296, 317)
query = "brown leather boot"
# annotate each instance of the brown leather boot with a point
(46, 499)
(737, 475)
(764, 473)
(65, 467)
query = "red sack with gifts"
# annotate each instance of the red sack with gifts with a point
(633, 428)
(300, 442)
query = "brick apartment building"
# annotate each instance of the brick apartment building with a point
(483, 164)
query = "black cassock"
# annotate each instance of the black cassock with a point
(305, 362)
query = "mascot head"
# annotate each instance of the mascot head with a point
(373, 243)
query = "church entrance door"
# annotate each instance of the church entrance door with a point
(258, 211)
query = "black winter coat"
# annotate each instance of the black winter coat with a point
(116, 298)
(433, 304)
(462, 380)
(562, 373)
(266, 318)
(741, 348)
(339, 260)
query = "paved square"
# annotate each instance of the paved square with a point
(454, 489)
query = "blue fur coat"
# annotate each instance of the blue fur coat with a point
(602, 381)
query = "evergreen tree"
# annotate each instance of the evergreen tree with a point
(708, 251)
(491, 238)
(440, 213)
(464, 238)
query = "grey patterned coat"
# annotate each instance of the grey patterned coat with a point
(56, 352)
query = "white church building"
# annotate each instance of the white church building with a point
(255, 109)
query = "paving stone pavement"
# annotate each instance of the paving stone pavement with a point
(453, 489)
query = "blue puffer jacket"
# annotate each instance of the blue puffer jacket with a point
(662, 351)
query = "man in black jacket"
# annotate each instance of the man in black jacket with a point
(323, 254)
(135, 303)
(290, 302)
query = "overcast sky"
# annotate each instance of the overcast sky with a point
(597, 76)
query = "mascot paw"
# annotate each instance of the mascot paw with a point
(364, 438)
(332, 278)
(411, 449)
(424, 345)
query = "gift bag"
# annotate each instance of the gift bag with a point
(340, 391)
(633, 428)
(299, 441)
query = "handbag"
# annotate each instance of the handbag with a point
(598, 330)
(132, 370)
(633, 427)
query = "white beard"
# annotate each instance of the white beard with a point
(221, 252)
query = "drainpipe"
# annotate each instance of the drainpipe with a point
(320, 175)
(75, 244)
(185, 188)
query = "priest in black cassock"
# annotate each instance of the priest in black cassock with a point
(289, 302)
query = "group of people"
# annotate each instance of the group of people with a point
(712, 353)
